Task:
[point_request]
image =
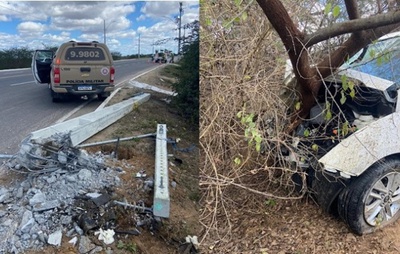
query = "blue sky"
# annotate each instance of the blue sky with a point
(34, 24)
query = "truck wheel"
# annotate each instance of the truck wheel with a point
(372, 200)
(102, 96)
(55, 97)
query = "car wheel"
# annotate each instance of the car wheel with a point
(372, 200)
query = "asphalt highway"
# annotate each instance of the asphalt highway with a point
(26, 106)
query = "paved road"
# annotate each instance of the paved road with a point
(26, 106)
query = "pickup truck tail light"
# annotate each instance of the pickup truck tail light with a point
(57, 75)
(112, 73)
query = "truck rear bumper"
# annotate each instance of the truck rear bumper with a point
(83, 89)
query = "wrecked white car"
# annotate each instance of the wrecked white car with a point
(353, 135)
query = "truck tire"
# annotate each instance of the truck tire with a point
(372, 200)
(102, 96)
(55, 97)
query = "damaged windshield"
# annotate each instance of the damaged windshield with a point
(379, 59)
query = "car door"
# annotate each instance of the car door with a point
(41, 65)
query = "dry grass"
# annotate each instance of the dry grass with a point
(242, 68)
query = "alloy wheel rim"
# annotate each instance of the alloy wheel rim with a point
(383, 200)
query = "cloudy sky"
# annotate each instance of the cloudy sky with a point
(35, 24)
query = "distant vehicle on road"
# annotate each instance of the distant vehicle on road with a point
(77, 68)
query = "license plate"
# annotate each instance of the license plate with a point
(84, 88)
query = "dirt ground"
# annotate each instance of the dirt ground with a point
(139, 156)
(265, 226)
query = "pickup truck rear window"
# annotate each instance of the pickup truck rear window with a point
(84, 54)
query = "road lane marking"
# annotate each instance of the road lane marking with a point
(65, 117)
(18, 84)
(13, 76)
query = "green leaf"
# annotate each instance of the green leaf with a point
(237, 19)
(270, 202)
(345, 83)
(344, 79)
(244, 16)
(247, 77)
(336, 11)
(227, 24)
(314, 147)
(352, 93)
(328, 115)
(351, 85)
(345, 128)
(379, 61)
(328, 8)
(237, 3)
(372, 53)
(208, 22)
(258, 147)
(306, 133)
(297, 105)
(343, 98)
(237, 161)
(239, 114)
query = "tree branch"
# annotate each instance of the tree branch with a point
(352, 10)
(352, 26)
(351, 46)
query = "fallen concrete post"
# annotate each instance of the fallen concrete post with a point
(161, 204)
(83, 127)
(56, 145)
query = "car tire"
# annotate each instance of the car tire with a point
(372, 200)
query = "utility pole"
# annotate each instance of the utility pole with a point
(179, 27)
(139, 48)
(104, 23)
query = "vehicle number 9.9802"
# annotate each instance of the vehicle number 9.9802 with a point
(91, 54)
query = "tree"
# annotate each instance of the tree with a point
(360, 30)
(116, 55)
(187, 87)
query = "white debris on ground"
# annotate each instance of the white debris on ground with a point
(42, 209)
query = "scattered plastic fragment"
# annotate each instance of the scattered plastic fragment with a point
(73, 241)
(107, 236)
(193, 240)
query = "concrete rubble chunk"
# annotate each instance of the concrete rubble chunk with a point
(45, 206)
(96, 250)
(38, 198)
(84, 174)
(55, 238)
(27, 222)
(5, 198)
(85, 245)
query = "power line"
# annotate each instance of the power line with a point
(6, 7)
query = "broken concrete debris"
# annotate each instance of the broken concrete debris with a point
(68, 192)
(55, 153)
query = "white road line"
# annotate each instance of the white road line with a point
(18, 84)
(65, 117)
